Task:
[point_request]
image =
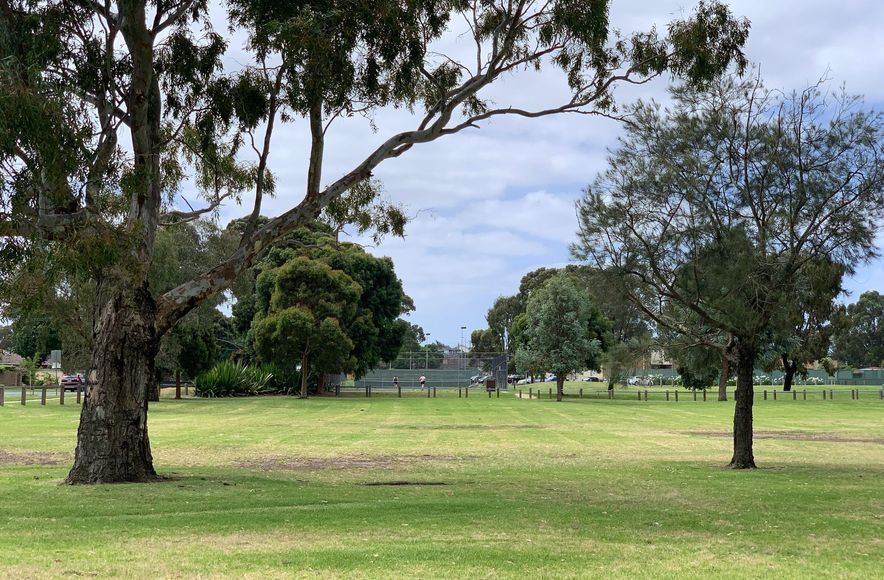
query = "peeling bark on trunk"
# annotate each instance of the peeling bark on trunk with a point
(112, 441)
(560, 386)
(743, 457)
(789, 370)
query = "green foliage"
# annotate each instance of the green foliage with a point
(685, 239)
(565, 331)
(233, 379)
(861, 342)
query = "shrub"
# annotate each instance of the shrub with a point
(228, 379)
(283, 379)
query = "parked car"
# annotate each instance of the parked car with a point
(72, 382)
(593, 379)
(640, 381)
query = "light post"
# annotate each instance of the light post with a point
(463, 364)
(427, 351)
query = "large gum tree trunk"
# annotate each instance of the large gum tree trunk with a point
(743, 457)
(560, 386)
(112, 441)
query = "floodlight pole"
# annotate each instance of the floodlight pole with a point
(427, 351)
(463, 364)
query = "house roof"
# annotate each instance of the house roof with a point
(10, 358)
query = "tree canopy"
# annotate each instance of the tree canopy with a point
(861, 341)
(718, 207)
(565, 331)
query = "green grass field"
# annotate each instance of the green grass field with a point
(276, 487)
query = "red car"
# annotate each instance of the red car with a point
(72, 382)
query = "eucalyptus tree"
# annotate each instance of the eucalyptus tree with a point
(108, 109)
(712, 213)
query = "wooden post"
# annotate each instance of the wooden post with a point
(466, 393)
(2, 396)
(434, 391)
(695, 394)
(399, 390)
(857, 393)
(530, 392)
(765, 394)
(646, 394)
(187, 390)
(428, 392)
(667, 394)
(774, 394)
(639, 393)
(831, 394)
(520, 393)
(79, 389)
(459, 393)
(704, 395)
(581, 392)
(177, 383)
(881, 394)
(337, 390)
(498, 392)
(804, 394)
(43, 396)
(550, 393)
(61, 395)
(489, 393)
(794, 395)
(676, 396)
(24, 395)
(824, 394)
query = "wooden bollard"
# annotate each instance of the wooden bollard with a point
(581, 392)
(824, 394)
(530, 392)
(676, 396)
(794, 395)
(24, 395)
(831, 394)
(398, 390)
(857, 394)
(61, 395)
(79, 388)
(466, 393)
(550, 393)
(667, 394)
(428, 392)
(881, 394)
(695, 394)
(646, 394)
(498, 392)
(459, 392)
(434, 391)
(338, 390)
(765, 394)
(639, 393)
(804, 395)
(704, 394)
(2, 396)
(774, 394)
(43, 396)
(178, 384)
(520, 393)
(489, 393)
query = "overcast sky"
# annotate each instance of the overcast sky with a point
(491, 204)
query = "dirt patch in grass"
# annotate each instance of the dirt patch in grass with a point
(470, 427)
(403, 482)
(31, 458)
(795, 436)
(278, 462)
